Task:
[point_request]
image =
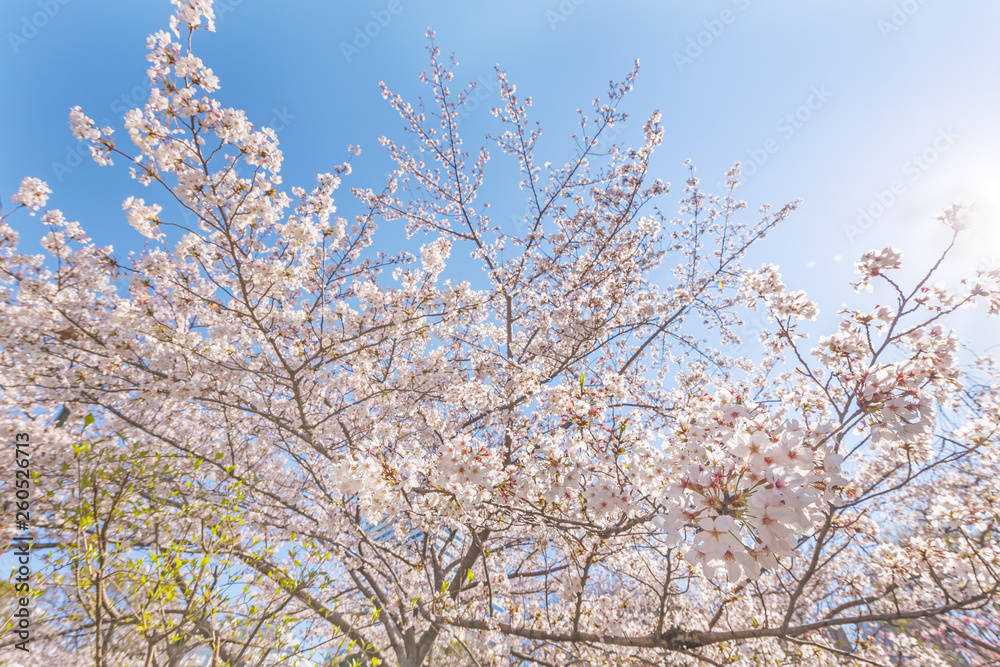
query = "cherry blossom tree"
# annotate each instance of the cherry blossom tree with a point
(276, 445)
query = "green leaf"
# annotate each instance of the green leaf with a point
(88, 420)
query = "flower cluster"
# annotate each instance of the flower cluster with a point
(143, 219)
(33, 194)
(762, 480)
(876, 263)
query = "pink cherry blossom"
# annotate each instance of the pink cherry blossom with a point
(504, 445)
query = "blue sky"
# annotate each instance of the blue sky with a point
(834, 101)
